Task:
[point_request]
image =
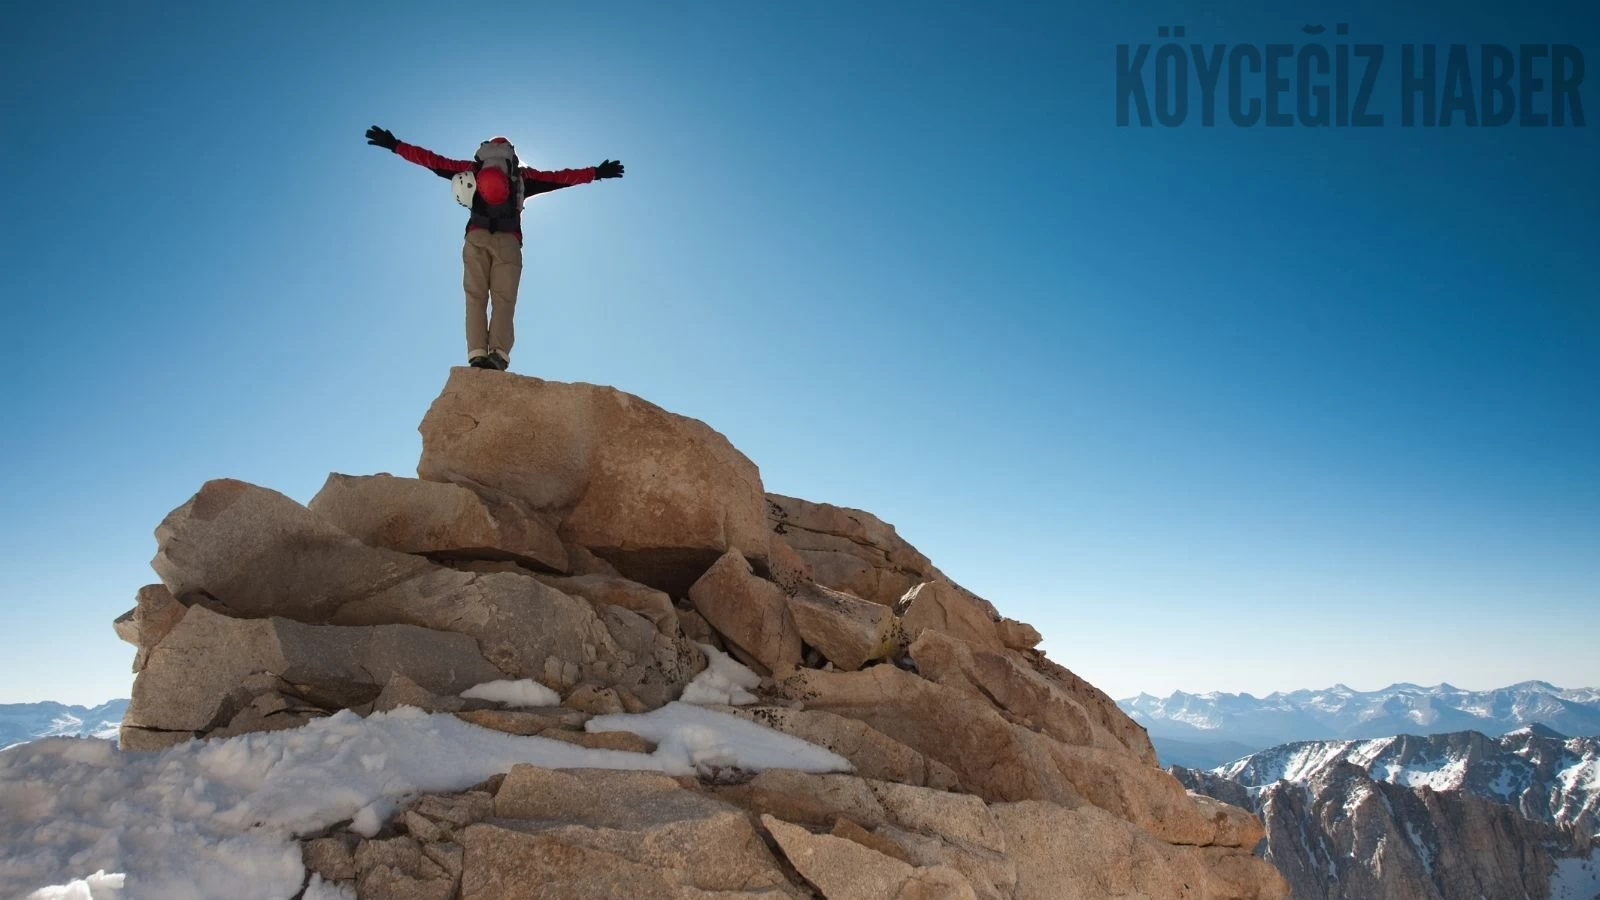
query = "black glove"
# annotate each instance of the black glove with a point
(608, 169)
(382, 137)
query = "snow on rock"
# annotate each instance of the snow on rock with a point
(98, 886)
(1438, 774)
(1545, 776)
(1291, 762)
(690, 739)
(522, 693)
(219, 818)
(318, 889)
(20, 722)
(1576, 878)
(725, 682)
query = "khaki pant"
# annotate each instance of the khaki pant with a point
(492, 265)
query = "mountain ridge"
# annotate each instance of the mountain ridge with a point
(1439, 816)
(20, 722)
(1200, 730)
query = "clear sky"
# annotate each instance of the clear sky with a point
(1215, 408)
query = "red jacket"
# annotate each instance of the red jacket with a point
(534, 181)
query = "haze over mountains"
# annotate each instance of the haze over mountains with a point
(1206, 730)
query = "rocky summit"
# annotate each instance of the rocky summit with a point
(603, 555)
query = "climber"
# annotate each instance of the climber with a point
(492, 255)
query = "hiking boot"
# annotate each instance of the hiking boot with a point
(498, 360)
(481, 362)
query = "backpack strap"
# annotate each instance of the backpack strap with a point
(519, 187)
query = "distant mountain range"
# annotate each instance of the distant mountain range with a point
(1449, 816)
(21, 722)
(1546, 776)
(1206, 730)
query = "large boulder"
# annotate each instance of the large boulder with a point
(927, 828)
(258, 553)
(1000, 760)
(1100, 707)
(806, 798)
(845, 870)
(429, 517)
(531, 630)
(614, 590)
(294, 564)
(658, 495)
(849, 549)
(1018, 635)
(946, 608)
(191, 680)
(751, 613)
(957, 818)
(1027, 696)
(594, 833)
(848, 631)
(155, 613)
(991, 874)
(992, 757)
(1089, 854)
(871, 753)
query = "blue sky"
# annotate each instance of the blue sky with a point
(1226, 408)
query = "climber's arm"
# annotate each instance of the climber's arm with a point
(536, 181)
(442, 166)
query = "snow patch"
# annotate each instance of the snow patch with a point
(690, 739)
(525, 692)
(1576, 878)
(724, 682)
(1291, 762)
(1441, 775)
(208, 819)
(1424, 850)
(1502, 787)
(318, 889)
(98, 886)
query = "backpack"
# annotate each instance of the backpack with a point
(500, 154)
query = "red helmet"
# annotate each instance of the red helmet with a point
(493, 186)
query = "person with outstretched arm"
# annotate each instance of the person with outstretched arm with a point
(493, 184)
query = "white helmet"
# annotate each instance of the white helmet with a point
(464, 185)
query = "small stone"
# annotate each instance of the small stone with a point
(851, 831)
(402, 691)
(524, 721)
(421, 827)
(446, 855)
(331, 857)
(602, 740)
(400, 853)
(1018, 635)
(389, 883)
(455, 810)
(593, 699)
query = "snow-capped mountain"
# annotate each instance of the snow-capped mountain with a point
(1542, 774)
(30, 721)
(1444, 816)
(1342, 713)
